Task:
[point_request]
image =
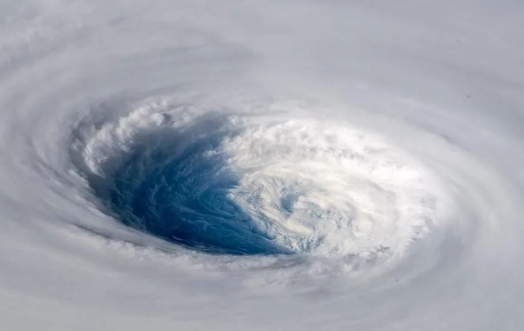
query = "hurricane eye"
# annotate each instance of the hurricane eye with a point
(234, 183)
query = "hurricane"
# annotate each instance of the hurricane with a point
(270, 165)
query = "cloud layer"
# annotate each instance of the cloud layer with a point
(270, 165)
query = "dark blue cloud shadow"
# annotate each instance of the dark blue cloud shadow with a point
(174, 184)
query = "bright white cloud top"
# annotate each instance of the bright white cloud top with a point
(269, 165)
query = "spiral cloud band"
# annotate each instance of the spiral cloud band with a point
(270, 165)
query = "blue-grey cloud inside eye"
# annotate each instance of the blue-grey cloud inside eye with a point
(182, 196)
